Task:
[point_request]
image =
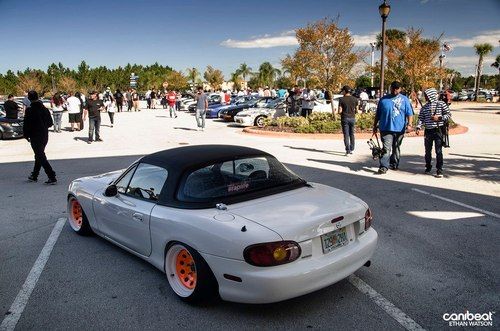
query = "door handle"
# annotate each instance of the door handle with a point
(137, 217)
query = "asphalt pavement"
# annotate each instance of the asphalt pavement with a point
(436, 254)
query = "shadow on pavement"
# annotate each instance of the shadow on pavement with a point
(316, 150)
(186, 129)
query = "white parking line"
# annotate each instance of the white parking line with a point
(17, 308)
(458, 203)
(385, 304)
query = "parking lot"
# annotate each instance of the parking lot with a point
(437, 252)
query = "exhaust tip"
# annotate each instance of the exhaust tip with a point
(368, 263)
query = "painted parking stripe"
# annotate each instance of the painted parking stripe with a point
(458, 203)
(385, 304)
(17, 307)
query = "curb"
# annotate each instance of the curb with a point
(335, 136)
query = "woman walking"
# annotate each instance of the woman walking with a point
(111, 107)
(57, 104)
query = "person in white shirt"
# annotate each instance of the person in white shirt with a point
(111, 108)
(73, 105)
(222, 96)
(363, 96)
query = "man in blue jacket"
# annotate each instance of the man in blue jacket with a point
(394, 116)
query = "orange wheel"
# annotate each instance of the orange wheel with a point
(186, 269)
(76, 217)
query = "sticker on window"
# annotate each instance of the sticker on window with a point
(236, 187)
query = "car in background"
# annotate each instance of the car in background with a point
(213, 99)
(229, 113)
(256, 116)
(10, 128)
(462, 96)
(215, 109)
(482, 95)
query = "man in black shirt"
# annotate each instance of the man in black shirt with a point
(11, 108)
(348, 105)
(37, 122)
(94, 108)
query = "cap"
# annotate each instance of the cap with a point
(395, 85)
(346, 89)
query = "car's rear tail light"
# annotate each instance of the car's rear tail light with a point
(271, 254)
(368, 219)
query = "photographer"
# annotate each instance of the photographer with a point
(433, 116)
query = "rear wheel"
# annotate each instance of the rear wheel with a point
(189, 275)
(259, 121)
(77, 218)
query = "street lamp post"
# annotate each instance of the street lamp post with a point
(441, 57)
(384, 10)
(372, 62)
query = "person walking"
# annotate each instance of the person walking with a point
(148, 98)
(432, 117)
(111, 107)
(135, 101)
(153, 99)
(11, 108)
(394, 116)
(308, 98)
(118, 98)
(128, 96)
(57, 104)
(73, 106)
(94, 108)
(347, 109)
(201, 108)
(363, 96)
(171, 99)
(37, 121)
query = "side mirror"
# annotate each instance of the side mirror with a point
(111, 191)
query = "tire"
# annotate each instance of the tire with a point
(192, 286)
(77, 219)
(259, 121)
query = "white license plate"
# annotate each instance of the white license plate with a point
(334, 239)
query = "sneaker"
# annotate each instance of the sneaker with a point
(382, 171)
(51, 181)
(350, 152)
(32, 178)
(393, 167)
(428, 170)
(99, 140)
(439, 173)
(89, 142)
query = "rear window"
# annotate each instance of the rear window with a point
(235, 177)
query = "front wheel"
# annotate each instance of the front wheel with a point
(259, 121)
(189, 275)
(77, 218)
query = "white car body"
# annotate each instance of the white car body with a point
(220, 236)
(248, 117)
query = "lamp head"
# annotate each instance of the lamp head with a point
(384, 10)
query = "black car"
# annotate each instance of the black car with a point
(213, 99)
(229, 113)
(10, 128)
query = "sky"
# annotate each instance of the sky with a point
(193, 33)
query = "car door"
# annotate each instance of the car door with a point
(125, 217)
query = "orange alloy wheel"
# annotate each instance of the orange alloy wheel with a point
(185, 269)
(76, 213)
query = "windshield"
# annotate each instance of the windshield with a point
(235, 177)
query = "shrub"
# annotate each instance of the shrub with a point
(326, 126)
(320, 117)
(365, 121)
(291, 122)
(305, 129)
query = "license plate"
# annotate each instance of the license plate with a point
(334, 239)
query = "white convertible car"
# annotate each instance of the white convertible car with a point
(227, 220)
(256, 116)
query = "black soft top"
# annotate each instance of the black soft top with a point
(182, 160)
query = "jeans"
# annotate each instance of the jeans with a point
(305, 112)
(392, 143)
(129, 105)
(57, 120)
(38, 147)
(200, 114)
(111, 117)
(433, 136)
(348, 131)
(94, 125)
(171, 108)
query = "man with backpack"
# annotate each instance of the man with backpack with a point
(119, 100)
(433, 117)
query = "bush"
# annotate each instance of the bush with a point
(365, 121)
(305, 129)
(326, 126)
(291, 122)
(320, 117)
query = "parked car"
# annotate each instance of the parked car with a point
(256, 116)
(482, 96)
(229, 113)
(9, 128)
(215, 109)
(227, 220)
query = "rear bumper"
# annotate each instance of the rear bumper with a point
(306, 275)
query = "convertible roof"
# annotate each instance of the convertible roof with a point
(181, 158)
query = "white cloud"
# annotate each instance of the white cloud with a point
(364, 40)
(491, 37)
(467, 64)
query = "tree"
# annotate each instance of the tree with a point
(214, 77)
(325, 54)
(193, 75)
(236, 79)
(67, 84)
(267, 74)
(412, 59)
(481, 50)
(244, 71)
(29, 81)
(176, 80)
(496, 64)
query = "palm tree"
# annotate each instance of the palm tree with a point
(267, 74)
(244, 71)
(496, 64)
(236, 79)
(193, 74)
(482, 50)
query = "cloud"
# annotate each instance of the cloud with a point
(490, 37)
(287, 39)
(467, 64)
(424, 1)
